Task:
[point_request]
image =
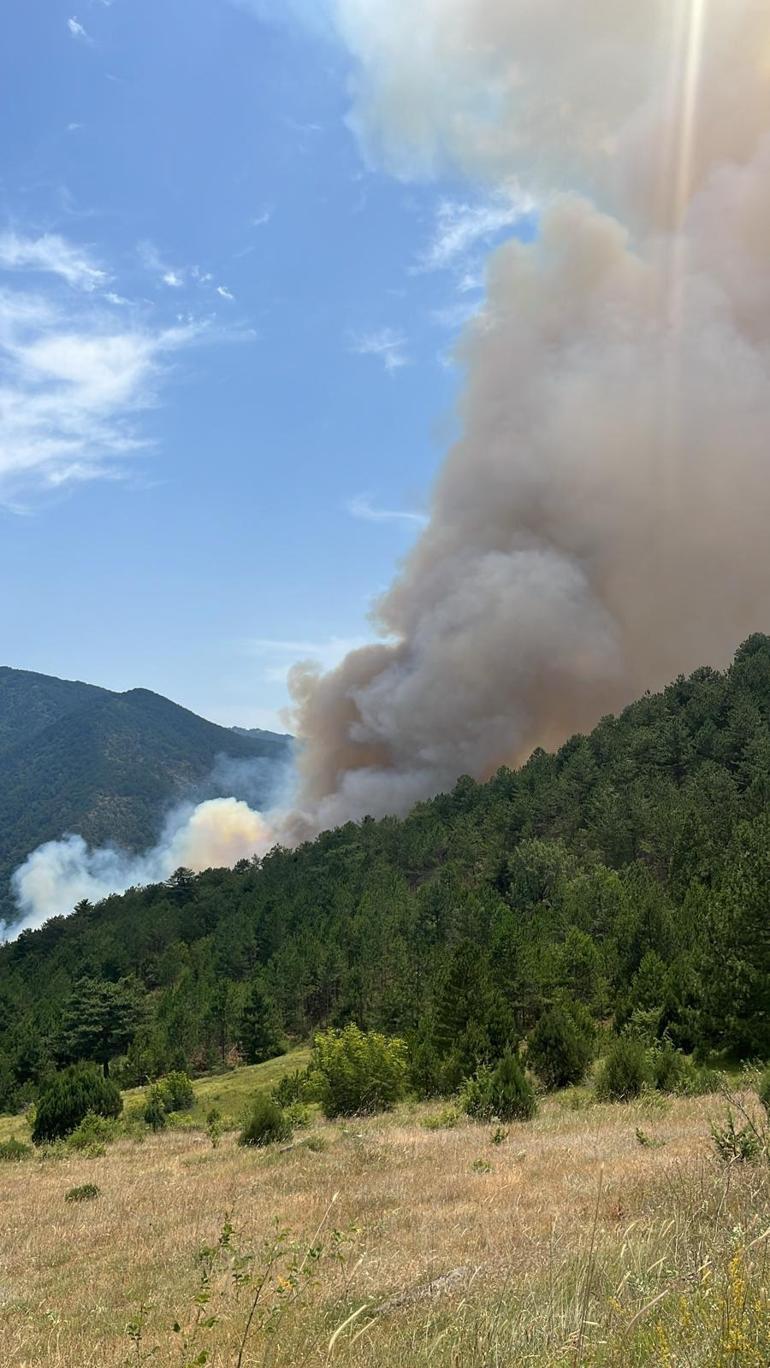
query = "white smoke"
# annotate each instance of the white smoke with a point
(59, 874)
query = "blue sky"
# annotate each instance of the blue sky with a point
(224, 343)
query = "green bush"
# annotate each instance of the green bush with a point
(13, 1150)
(736, 1144)
(266, 1122)
(92, 1135)
(299, 1115)
(763, 1090)
(503, 1093)
(673, 1072)
(214, 1126)
(176, 1091)
(68, 1097)
(85, 1193)
(559, 1049)
(624, 1071)
(291, 1088)
(354, 1071)
(155, 1114)
(446, 1119)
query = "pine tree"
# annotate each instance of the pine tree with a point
(558, 1049)
(260, 1037)
(99, 1021)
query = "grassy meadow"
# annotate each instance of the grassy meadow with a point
(595, 1234)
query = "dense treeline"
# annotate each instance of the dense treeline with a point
(625, 878)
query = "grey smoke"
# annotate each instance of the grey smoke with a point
(601, 524)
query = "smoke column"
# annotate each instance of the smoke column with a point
(601, 524)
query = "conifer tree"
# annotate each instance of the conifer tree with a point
(260, 1037)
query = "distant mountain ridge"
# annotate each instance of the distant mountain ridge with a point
(76, 757)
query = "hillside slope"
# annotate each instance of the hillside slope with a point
(627, 873)
(104, 765)
(30, 702)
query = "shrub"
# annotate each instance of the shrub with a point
(291, 1088)
(69, 1096)
(13, 1150)
(92, 1135)
(763, 1090)
(266, 1122)
(446, 1119)
(673, 1072)
(214, 1126)
(503, 1092)
(155, 1115)
(696, 1080)
(354, 1071)
(176, 1091)
(624, 1071)
(668, 1068)
(85, 1193)
(559, 1049)
(736, 1145)
(299, 1115)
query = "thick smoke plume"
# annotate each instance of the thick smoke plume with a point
(602, 522)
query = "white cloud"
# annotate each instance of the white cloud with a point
(224, 292)
(77, 30)
(71, 386)
(52, 255)
(362, 507)
(172, 276)
(386, 343)
(455, 315)
(262, 218)
(461, 226)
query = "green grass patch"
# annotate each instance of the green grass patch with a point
(231, 1092)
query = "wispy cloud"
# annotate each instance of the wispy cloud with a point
(77, 30)
(74, 376)
(151, 259)
(177, 277)
(460, 226)
(388, 344)
(280, 655)
(362, 507)
(55, 256)
(264, 216)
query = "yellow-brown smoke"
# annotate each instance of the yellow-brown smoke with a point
(601, 524)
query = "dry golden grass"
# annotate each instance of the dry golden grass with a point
(566, 1232)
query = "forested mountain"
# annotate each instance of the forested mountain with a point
(105, 765)
(629, 873)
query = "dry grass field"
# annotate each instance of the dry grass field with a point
(596, 1234)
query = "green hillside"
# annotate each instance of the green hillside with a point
(30, 702)
(101, 764)
(626, 875)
